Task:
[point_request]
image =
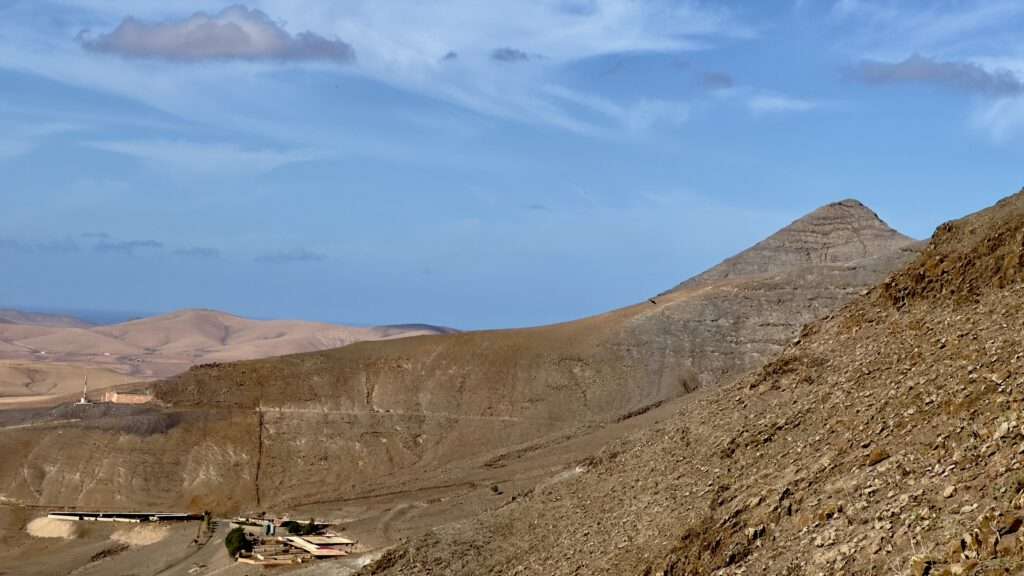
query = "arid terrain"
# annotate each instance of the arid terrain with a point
(393, 438)
(885, 440)
(44, 355)
(527, 288)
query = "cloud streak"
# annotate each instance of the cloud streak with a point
(61, 246)
(917, 69)
(199, 252)
(776, 103)
(205, 157)
(288, 256)
(128, 247)
(401, 43)
(235, 33)
(635, 117)
(510, 55)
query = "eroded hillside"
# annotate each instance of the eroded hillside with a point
(887, 440)
(416, 413)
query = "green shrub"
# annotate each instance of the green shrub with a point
(236, 541)
(301, 529)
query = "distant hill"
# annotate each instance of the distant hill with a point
(11, 316)
(423, 327)
(49, 354)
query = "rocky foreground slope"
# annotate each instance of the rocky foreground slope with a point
(887, 440)
(407, 415)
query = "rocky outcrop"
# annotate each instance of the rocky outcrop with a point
(966, 258)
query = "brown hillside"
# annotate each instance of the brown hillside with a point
(887, 441)
(967, 257)
(47, 350)
(416, 414)
(8, 316)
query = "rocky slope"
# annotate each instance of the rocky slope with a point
(837, 233)
(417, 413)
(886, 440)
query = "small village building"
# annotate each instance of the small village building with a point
(115, 397)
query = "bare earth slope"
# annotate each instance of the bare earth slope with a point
(419, 414)
(886, 441)
(51, 355)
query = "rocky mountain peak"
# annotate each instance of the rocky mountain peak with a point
(837, 233)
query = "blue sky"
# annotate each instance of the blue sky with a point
(474, 164)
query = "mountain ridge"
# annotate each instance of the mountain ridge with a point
(15, 316)
(885, 439)
(427, 411)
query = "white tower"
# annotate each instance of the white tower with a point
(85, 388)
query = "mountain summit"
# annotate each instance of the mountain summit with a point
(837, 233)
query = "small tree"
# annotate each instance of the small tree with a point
(237, 541)
(300, 529)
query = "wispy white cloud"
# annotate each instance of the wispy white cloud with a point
(405, 50)
(643, 115)
(128, 247)
(636, 117)
(1002, 119)
(289, 256)
(203, 157)
(887, 29)
(864, 9)
(402, 43)
(769, 103)
(202, 252)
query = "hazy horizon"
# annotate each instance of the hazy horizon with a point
(107, 317)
